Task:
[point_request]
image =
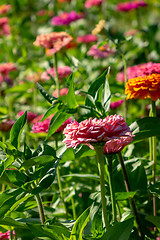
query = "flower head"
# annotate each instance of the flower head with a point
(128, 6)
(5, 68)
(66, 18)
(87, 38)
(91, 3)
(63, 92)
(6, 125)
(30, 115)
(43, 126)
(116, 145)
(6, 235)
(4, 26)
(116, 104)
(4, 8)
(99, 52)
(54, 40)
(95, 131)
(144, 87)
(62, 73)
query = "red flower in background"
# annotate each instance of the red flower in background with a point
(4, 8)
(91, 3)
(66, 18)
(63, 92)
(87, 38)
(6, 125)
(62, 73)
(4, 26)
(128, 6)
(30, 115)
(99, 52)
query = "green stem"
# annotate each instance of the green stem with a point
(100, 160)
(112, 187)
(73, 209)
(56, 74)
(40, 208)
(61, 191)
(153, 155)
(131, 200)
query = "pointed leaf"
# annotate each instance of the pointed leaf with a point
(46, 95)
(16, 130)
(71, 97)
(119, 231)
(79, 225)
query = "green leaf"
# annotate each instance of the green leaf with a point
(16, 130)
(119, 231)
(5, 164)
(8, 198)
(67, 155)
(44, 149)
(37, 161)
(145, 127)
(16, 177)
(11, 222)
(84, 151)
(46, 95)
(106, 100)
(53, 232)
(120, 196)
(154, 219)
(58, 119)
(71, 97)
(79, 225)
(90, 176)
(50, 111)
(49, 177)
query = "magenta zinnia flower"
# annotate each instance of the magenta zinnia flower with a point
(96, 131)
(87, 38)
(91, 3)
(5, 68)
(62, 73)
(6, 235)
(99, 52)
(6, 125)
(116, 104)
(128, 6)
(66, 18)
(30, 115)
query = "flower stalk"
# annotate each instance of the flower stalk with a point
(100, 159)
(153, 154)
(112, 186)
(40, 208)
(131, 200)
(56, 74)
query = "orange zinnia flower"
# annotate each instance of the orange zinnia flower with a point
(144, 87)
(54, 40)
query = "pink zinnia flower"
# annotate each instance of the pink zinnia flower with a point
(95, 131)
(4, 8)
(45, 12)
(5, 68)
(63, 92)
(140, 70)
(6, 125)
(91, 3)
(6, 235)
(62, 73)
(4, 26)
(116, 104)
(54, 40)
(116, 145)
(30, 115)
(131, 32)
(128, 6)
(87, 38)
(66, 18)
(99, 52)
(42, 127)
